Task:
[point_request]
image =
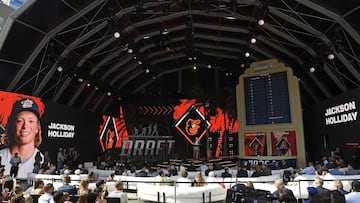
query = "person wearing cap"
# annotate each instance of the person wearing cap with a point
(23, 136)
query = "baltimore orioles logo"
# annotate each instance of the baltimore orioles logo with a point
(192, 126)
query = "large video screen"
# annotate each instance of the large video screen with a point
(60, 127)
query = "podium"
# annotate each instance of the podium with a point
(196, 151)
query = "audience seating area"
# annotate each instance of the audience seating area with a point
(147, 190)
(209, 193)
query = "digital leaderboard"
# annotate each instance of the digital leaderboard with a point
(269, 113)
(267, 99)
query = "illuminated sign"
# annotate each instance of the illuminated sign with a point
(192, 124)
(341, 113)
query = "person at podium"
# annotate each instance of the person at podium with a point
(196, 149)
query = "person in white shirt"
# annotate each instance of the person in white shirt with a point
(184, 181)
(47, 197)
(211, 177)
(119, 192)
(354, 195)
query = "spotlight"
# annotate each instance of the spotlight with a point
(130, 50)
(80, 79)
(135, 57)
(116, 35)
(59, 68)
(331, 56)
(147, 70)
(261, 22)
(209, 66)
(194, 67)
(88, 84)
(247, 54)
(164, 31)
(253, 40)
(108, 93)
(242, 65)
(312, 69)
(139, 62)
(96, 88)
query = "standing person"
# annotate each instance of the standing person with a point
(118, 192)
(47, 159)
(15, 162)
(23, 135)
(196, 149)
(60, 157)
(38, 158)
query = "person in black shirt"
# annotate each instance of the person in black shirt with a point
(241, 172)
(226, 173)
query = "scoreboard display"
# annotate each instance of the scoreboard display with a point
(269, 113)
(267, 99)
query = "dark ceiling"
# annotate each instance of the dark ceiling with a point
(213, 35)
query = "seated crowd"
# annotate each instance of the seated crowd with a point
(204, 173)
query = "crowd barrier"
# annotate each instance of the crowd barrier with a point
(140, 185)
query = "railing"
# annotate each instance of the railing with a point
(299, 187)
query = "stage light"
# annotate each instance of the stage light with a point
(164, 31)
(139, 62)
(146, 37)
(230, 17)
(330, 56)
(312, 69)
(96, 88)
(261, 22)
(209, 66)
(147, 70)
(134, 57)
(194, 67)
(116, 35)
(247, 54)
(242, 65)
(59, 68)
(88, 84)
(108, 93)
(253, 40)
(130, 50)
(80, 79)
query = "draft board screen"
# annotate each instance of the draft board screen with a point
(267, 99)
